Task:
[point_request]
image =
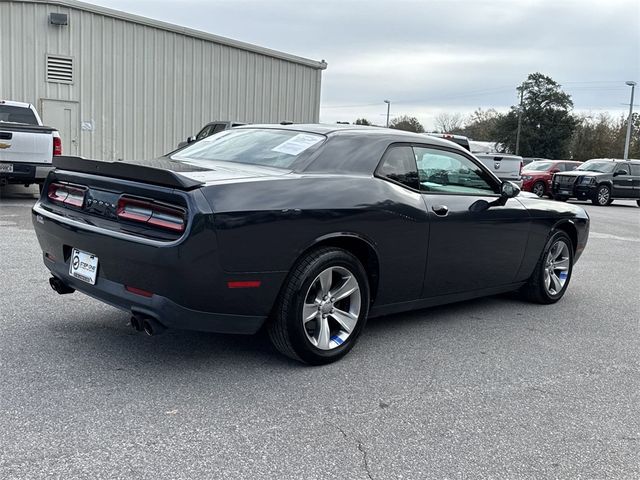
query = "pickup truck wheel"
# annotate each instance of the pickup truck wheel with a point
(538, 189)
(322, 308)
(553, 271)
(603, 196)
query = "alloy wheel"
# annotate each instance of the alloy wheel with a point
(603, 195)
(538, 189)
(331, 308)
(556, 267)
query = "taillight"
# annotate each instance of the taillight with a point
(67, 194)
(152, 213)
(57, 146)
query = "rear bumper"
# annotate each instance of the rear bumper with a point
(24, 172)
(188, 289)
(165, 311)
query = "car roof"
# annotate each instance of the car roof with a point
(631, 160)
(392, 134)
(11, 103)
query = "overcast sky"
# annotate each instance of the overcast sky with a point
(432, 56)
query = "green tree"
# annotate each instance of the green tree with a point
(363, 121)
(621, 135)
(604, 137)
(405, 122)
(547, 120)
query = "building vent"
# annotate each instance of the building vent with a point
(59, 69)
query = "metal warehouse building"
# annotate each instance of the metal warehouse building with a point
(120, 86)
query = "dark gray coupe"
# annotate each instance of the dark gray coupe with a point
(307, 230)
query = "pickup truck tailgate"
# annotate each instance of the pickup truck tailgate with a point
(26, 143)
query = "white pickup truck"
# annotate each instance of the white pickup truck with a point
(26, 146)
(505, 166)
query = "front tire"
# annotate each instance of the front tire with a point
(551, 276)
(603, 196)
(322, 308)
(539, 189)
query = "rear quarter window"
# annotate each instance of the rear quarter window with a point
(399, 165)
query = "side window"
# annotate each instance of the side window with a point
(570, 166)
(448, 172)
(205, 132)
(635, 169)
(398, 164)
(621, 166)
(561, 166)
(218, 128)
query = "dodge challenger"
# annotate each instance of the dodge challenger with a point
(305, 230)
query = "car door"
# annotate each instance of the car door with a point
(477, 238)
(622, 181)
(635, 177)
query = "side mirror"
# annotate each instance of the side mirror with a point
(555, 170)
(191, 139)
(620, 172)
(509, 190)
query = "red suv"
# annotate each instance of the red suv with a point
(537, 176)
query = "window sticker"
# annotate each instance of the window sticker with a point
(298, 144)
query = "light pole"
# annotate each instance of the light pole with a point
(628, 139)
(521, 88)
(388, 102)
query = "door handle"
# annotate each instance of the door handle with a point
(440, 210)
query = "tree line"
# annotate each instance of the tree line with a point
(549, 127)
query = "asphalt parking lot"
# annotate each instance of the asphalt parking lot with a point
(491, 388)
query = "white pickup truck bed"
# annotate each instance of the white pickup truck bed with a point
(26, 146)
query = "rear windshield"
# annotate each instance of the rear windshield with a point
(266, 147)
(597, 166)
(10, 113)
(538, 166)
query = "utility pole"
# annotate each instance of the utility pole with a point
(628, 139)
(388, 102)
(521, 88)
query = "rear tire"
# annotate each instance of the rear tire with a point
(638, 202)
(322, 308)
(551, 276)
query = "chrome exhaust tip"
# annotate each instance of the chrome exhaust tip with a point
(152, 327)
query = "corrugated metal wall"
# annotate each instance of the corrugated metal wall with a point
(145, 88)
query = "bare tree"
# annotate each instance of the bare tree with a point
(449, 122)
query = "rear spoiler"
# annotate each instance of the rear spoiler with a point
(126, 171)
